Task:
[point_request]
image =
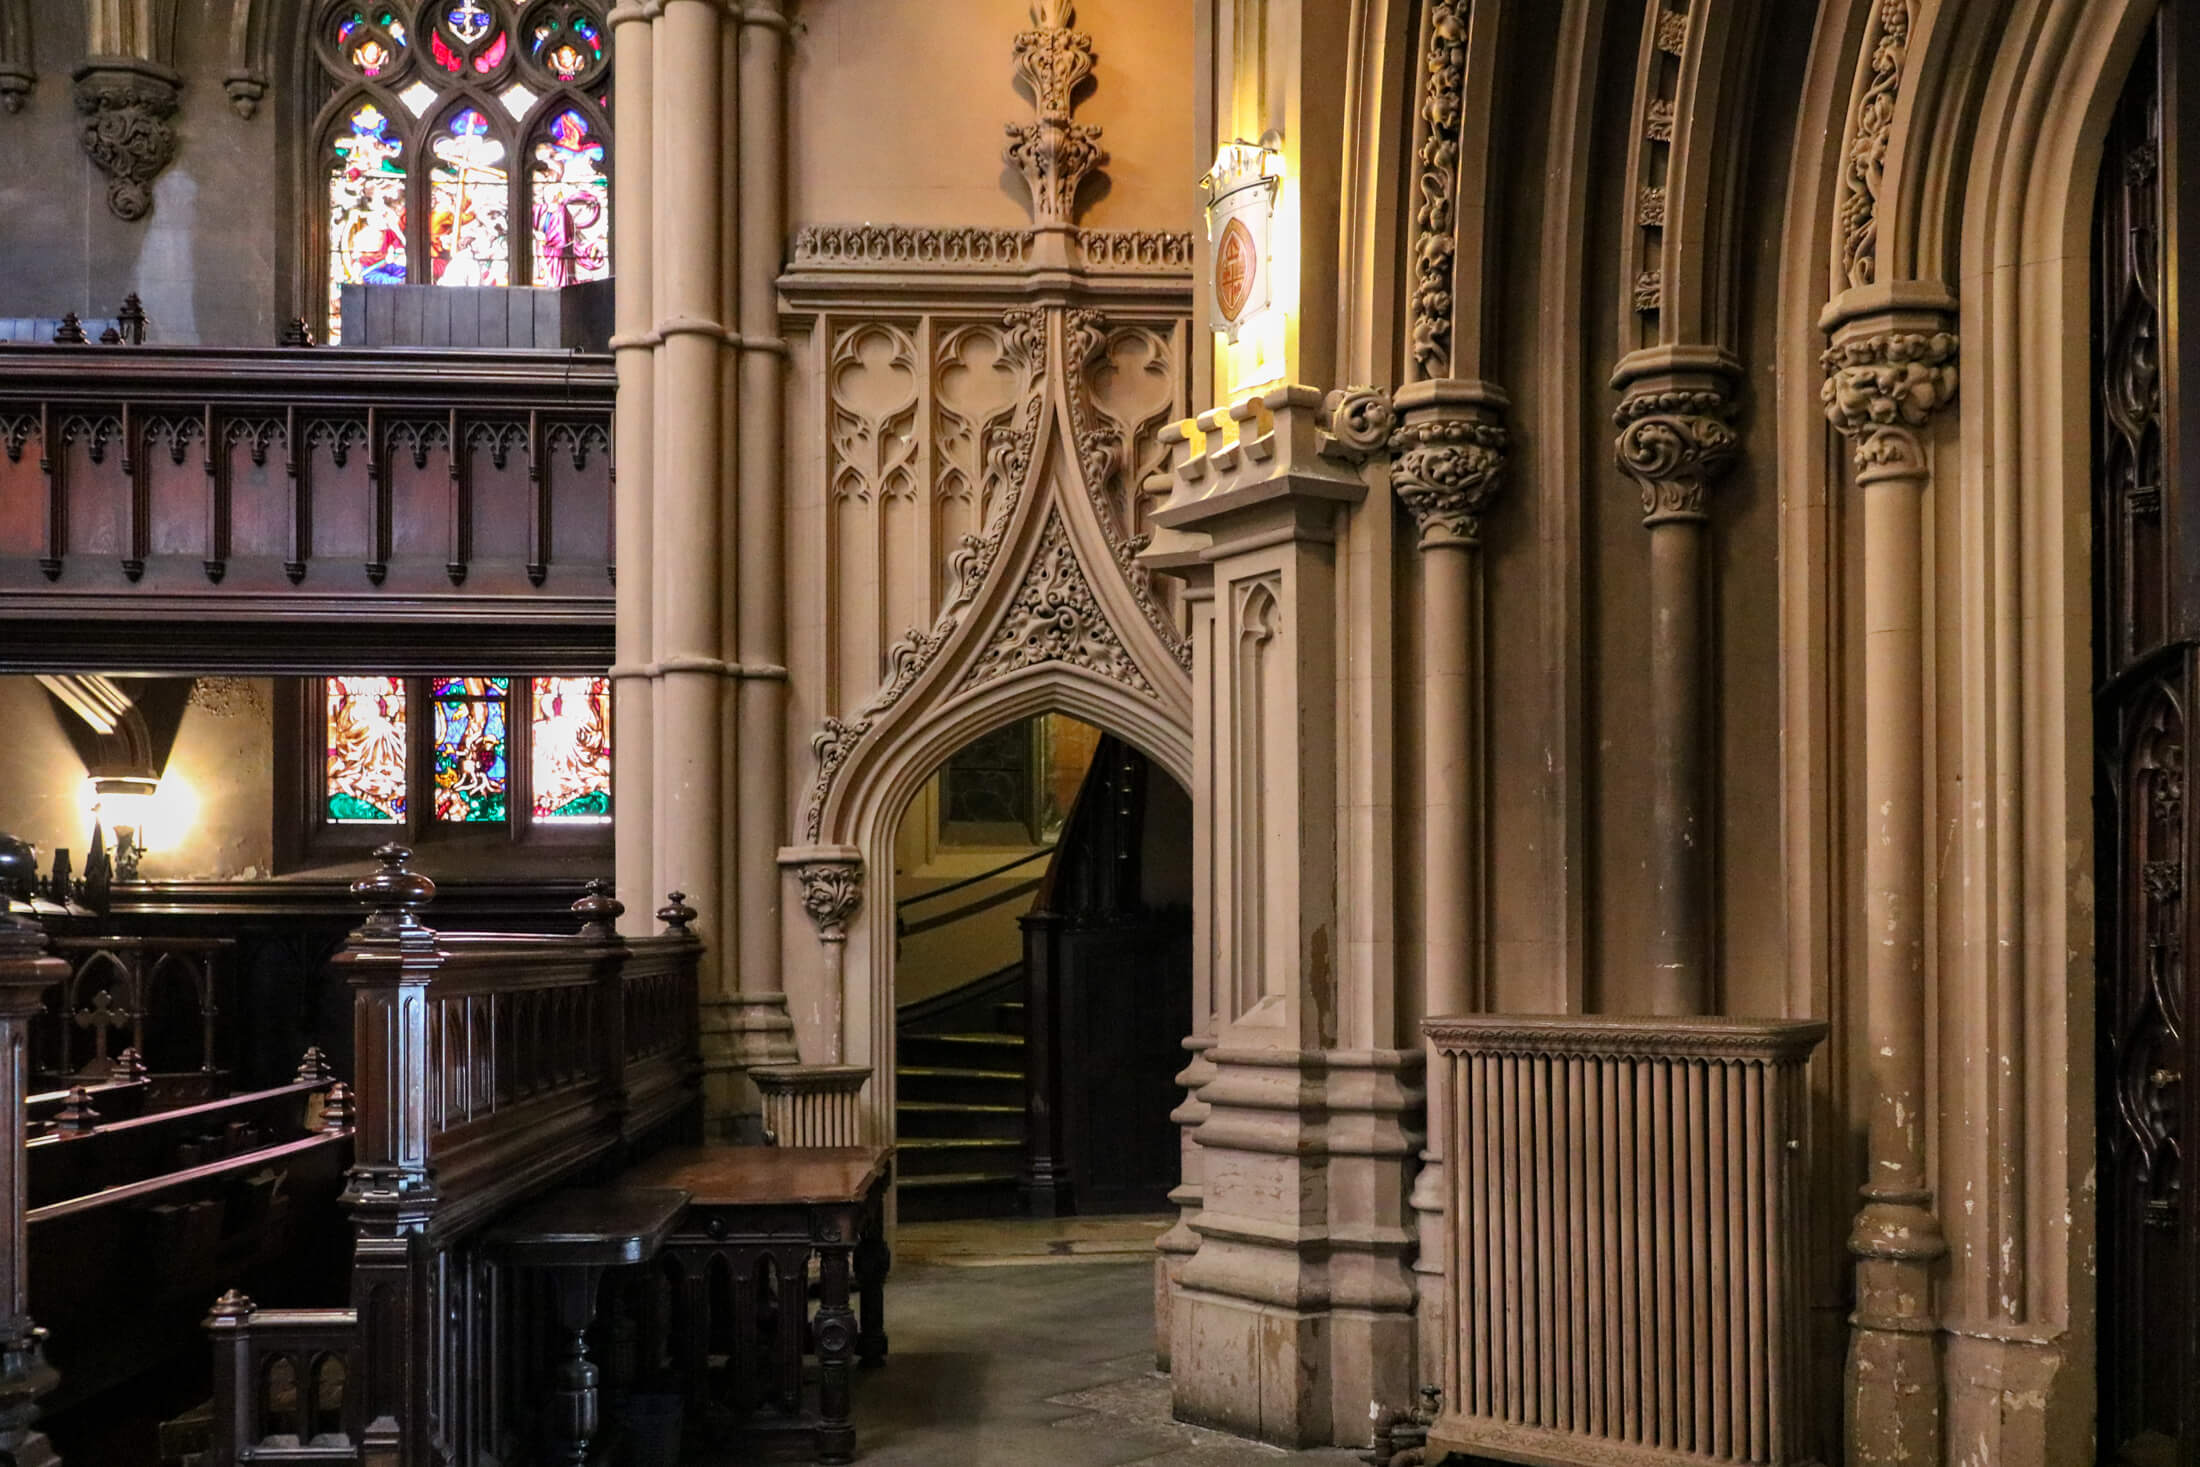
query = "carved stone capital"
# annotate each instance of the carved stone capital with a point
(1053, 152)
(831, 878)
(125, 107)
(1882, 387)
(1675, 443)
(1446, 470)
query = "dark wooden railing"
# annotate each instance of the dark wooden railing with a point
(490, 1068)
(327, 485)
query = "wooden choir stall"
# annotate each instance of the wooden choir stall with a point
(499, 1244)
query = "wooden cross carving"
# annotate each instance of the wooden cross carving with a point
(100, 1018)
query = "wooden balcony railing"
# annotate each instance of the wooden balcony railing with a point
(336, 488)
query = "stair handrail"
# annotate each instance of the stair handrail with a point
(954, 886)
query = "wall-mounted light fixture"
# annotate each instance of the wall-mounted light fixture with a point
(1239, 193)
(128, 805)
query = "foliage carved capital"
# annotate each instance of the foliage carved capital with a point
(1675, 443)
(832, 894)
(1447, 471)
(1882, 388)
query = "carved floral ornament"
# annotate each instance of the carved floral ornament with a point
(1864, 159)
(832, 894)
(1447, 472)
(1055, 617)
(1881, 388)
(1443, 79)
(125, 107)
(1675, 443)
(1053, 151)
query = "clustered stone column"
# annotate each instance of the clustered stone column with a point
(1888, 371)
(701, 648)
(26, 972)
(1448, 461)
(1675, 441)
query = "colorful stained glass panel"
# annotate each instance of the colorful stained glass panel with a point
(572, 204)
(472, 764)
(366, 210)
(567, 45)
(366, 750)
(471, 204)
(571, 760)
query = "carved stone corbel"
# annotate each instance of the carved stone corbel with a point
(125, 106)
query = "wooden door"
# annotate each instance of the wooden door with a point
(2147, 661)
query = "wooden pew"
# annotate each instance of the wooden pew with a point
(492, 1070)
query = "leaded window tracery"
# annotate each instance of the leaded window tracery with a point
(462, 142)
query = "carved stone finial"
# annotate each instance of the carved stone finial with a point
(125, 107)
(128, 1067)
(394, 894)
(832, 893)
(77, 1118)
(676, 913)
(1881, 388)
(338, 1110)
(71, 330)
(1053, 152)
(1447, 471)
(1675, 442)
(313, 1066)
(599, 911)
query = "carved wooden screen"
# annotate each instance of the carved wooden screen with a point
(2146, 567)
(462, 142)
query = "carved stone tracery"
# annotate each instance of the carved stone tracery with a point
(1056, 618)
(126, 107)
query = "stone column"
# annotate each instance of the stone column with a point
(1448, 457)
(1296, 1310)
(26, 972)
(687, 494)
(830, 879)
(633, 437)
(1891, 365)
(1675, 441)
(761, 1031)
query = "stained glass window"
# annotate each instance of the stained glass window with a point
(570, 731)
(468, 143)
(471, 210)
(473, 774)
(366, 208)
(572, 204)
(365, 766)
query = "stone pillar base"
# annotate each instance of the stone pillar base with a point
(1293, 1322)
(812, 1105)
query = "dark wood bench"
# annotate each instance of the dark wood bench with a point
(760, 1214)
(571, 1238)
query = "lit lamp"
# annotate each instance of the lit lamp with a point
(124, 804)
(1239, 193)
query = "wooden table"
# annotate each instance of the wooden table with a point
(756, 1217)
(573, 1236)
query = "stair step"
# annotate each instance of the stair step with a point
(995, 1038)
(931, 1156)
(960, 1107)
(957, 1179)
(966, 1143)
(950, 1072)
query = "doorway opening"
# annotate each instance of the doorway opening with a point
(1042, 891)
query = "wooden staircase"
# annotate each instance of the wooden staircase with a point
(959, 1106)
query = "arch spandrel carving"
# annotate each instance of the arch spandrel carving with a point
(1048, 589)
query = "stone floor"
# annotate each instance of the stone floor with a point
(1028, 1342)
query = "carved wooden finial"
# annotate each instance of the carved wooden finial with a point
(313, 1066)
(599, 911)
(131, 318)
(235, 1304)
(129, 1067)
(71, 330)
(676, 913)
(394, 894)
(77, 1118)
(338, 1110)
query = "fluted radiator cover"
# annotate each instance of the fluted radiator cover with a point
(1623, 1239)
(812, 1105)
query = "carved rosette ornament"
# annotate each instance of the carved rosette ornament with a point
(1675, 443)
(125, 109)
(1053, 152)
(1881, 389)
(1446, 471)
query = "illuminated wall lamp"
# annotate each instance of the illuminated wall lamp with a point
(125, 803)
